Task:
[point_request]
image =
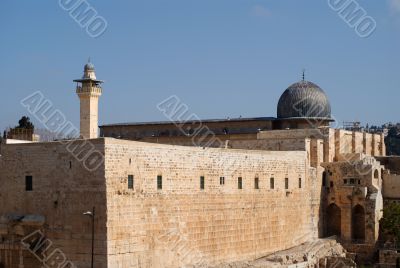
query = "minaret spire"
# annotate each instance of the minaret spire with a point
(304, 75)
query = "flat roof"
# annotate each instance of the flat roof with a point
(247, 119)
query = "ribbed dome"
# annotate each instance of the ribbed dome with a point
(304, 100)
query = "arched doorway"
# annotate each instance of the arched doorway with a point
(358, 223)
(333, 220)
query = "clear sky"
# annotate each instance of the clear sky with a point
(223, 58)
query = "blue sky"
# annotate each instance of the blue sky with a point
(223, 58)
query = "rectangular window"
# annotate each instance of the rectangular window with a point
(256, 183)
(272, 183)
(331, 184)
(352, 181)
(159, 182)
(300, 183)
(221, 180)
(202, 182)
(286, 183)
(28, 183)
(345, 181)
(240, 185)
(130, 181)
(359, 181)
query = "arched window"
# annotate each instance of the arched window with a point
(376, 174)
(333, 220)
(358, 223)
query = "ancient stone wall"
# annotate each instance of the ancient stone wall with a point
(182, 223)
(391, 186)
(354, 199)
(347, 142)
(62, 190)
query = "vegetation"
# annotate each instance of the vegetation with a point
(392, 141)
(25, 123)
(390, 223)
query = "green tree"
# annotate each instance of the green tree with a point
(390, 222)
(392, 132)
(25, 123)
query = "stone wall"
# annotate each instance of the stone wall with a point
(391, 186)
(183, 224)
(62, 189)
(354, 202)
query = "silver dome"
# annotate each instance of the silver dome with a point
(304, 99)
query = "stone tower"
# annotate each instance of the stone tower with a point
(89, 90)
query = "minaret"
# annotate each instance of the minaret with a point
(89, 90)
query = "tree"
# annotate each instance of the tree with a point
(390, 222)
(25, 123)
(392, 132)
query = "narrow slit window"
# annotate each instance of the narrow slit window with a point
(300, 182)
(202, 182)
(28, 183)
(159, 182)
(272, 183)
(286, 183)
(240, 183)
(256, 183)
(221, 180)
(130, 181)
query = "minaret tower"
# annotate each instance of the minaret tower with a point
(89, 90)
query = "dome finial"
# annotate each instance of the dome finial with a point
(304, 75)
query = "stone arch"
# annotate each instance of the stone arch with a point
(376, 174)
(333, 220)
(358, 223)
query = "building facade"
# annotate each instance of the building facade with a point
(166, 196)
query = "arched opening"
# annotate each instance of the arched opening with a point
(376, 174)
(324, 179)
(358, 223)
(333, 220)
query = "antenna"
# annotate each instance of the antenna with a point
(304, 75)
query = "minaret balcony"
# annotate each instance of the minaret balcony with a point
(96, 90)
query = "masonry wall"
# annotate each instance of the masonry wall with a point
(354, 185)
(391, 186)
(63, 189)
(183, 224)
(347, 142)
